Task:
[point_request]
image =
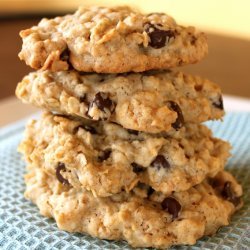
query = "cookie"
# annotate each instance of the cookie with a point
(152, 101)
(111, 40)
(106, 158)
(142, 218)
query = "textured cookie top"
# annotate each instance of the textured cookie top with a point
(111, 40)
(106, 158)
(152, 101)
(142, 217)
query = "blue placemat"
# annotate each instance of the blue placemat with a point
(22, 227)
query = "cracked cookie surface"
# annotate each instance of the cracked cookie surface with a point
(111, 40)
(152, 101)
(106, 158)
(142, 218)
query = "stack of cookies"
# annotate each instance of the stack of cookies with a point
(120, 152)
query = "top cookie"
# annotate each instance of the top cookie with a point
(111, 40)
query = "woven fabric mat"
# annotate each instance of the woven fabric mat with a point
(22, 227)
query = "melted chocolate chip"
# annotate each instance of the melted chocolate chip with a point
(160, 162)
(61, 167)
(172, 206)
(228, 194)
(103, 102)
(88, 128)
(180, 119)
(219, 103)
(158, 38)
(65, 55)
(133, 132)
(137, 168)
(104, 155)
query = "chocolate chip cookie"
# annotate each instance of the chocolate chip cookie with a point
(141, 217)
(152, 101)
(106, 158)
(111, 40)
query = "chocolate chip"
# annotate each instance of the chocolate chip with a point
(228, 194)
(133, 132)
(103, 102)
(137, 168)
(158, 38)
(61, 167)
(82, 98)
(88, 128)
(104, 155)
(160, 162)
(215, 183)
(150, 191)
(65, 55)
(172, 206)
(198, 87)
(219, 103)
(180, 119)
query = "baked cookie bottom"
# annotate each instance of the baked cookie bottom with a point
(143, 218)
(105, 158)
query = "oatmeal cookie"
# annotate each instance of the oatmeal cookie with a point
(142, 218)
(111, 40)
(152, 101)
(106, 158)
